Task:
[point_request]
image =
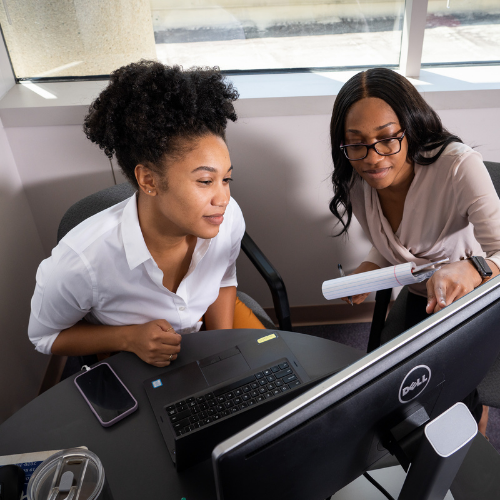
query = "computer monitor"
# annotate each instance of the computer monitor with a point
(330, 435)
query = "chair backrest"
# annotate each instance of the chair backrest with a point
(494, 171)
(93, 204)
(489, 388)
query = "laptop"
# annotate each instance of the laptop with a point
(204, 402)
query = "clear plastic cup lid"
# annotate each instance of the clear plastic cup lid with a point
(72, 474)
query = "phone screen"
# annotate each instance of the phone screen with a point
(105, 392)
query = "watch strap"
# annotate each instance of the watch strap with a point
(481, 265)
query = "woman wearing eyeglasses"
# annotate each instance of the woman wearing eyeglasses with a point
(418, 192)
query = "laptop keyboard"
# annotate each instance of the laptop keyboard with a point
(199, 410)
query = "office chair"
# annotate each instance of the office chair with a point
(488, 389)
(108, 197)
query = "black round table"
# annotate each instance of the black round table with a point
(133, 452)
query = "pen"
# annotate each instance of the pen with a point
(342, 275)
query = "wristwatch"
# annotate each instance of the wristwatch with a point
(481, 266)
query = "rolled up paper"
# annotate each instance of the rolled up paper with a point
(380, 279)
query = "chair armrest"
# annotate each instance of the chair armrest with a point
(382, 299)
(273, 280)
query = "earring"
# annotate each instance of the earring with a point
(150, 191)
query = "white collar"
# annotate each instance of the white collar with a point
(135, 247)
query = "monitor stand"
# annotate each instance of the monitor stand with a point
(451, 455)
(443, 447)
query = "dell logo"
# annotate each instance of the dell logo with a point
(414, 383)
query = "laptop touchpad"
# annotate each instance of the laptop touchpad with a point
(225, 369)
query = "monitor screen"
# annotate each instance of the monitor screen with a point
(321, 441)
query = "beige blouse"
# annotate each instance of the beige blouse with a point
(451, 210)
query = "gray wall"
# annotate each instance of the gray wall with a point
(21, 368)
(281, 170)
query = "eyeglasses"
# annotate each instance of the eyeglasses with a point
(384, 147)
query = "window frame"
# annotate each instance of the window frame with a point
(260, 85)
(410, 63)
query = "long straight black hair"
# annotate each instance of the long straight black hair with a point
(424, 130)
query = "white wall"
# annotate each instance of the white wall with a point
(281, 170)
(282, 167)
(21, 368)
(58, 166)
(479, 128)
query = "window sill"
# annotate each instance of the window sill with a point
(284, 94)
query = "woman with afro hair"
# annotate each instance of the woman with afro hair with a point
(144, 271)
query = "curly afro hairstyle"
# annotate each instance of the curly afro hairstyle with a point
(148, 109)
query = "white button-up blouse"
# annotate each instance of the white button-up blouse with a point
(102, 270)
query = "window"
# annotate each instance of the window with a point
(459, 31)
(91, 38)
(279, 34)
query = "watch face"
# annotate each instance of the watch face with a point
(482, 266)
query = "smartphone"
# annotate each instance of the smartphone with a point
(106, 394)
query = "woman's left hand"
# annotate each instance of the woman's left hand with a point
(450, 283)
